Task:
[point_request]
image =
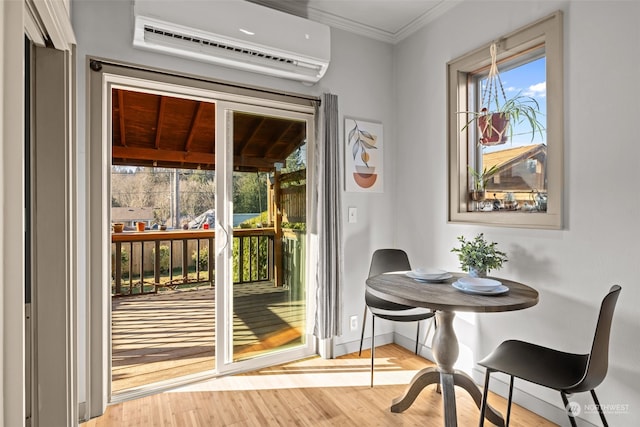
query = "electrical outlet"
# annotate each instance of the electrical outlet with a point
(354, 323)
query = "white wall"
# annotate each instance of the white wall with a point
(360, 74)
(572, 268)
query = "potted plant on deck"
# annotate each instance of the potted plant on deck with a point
(477, 256)
(498, 114)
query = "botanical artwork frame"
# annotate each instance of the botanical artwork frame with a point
(364, 155)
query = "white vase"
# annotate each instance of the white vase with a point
(474, 272)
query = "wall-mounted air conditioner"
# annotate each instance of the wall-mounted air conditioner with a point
(236, 34)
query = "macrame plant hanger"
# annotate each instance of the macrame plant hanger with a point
(493, 126)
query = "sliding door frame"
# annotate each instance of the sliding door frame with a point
(103, 77)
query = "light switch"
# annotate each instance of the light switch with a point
(353, 215)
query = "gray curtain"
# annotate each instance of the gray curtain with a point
(328, 221)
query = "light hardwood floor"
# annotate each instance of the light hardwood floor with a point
(310, 392)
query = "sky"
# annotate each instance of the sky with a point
(528, 80)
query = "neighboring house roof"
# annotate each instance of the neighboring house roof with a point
(131, 214)
(510, 156)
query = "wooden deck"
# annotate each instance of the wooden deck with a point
(156, 337)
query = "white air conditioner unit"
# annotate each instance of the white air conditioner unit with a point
(235, 34)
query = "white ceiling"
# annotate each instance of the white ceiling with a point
(386, 20)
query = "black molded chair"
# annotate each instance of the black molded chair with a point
(566, 372)
(384, 261)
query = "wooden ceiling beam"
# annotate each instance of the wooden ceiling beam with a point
(183, 158)
(253, 162)
(123, 140)
(244, 144)
(150, 154)
(159, 122)
(270, 150)
(296, 142)
(192, 133)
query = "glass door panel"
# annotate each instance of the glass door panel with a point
(162, 215)
(269, 199)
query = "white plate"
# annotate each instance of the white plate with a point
(496, 291)
(429, 273)
(439, 279)
(479, 283)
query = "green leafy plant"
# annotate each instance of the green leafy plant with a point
(165, 253)
(479, 254)
(300, 226)
(201, 258)
(481, 179)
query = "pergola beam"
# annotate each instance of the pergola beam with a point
(159, 121)
(181, 157)
(192, 133)
(123, 139)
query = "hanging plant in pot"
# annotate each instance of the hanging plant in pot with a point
(478, 256)
(499, 115)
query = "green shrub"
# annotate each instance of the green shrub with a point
(165, 253)
(301, 226)
(202, 258)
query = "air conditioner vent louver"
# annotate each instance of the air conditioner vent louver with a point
(212, 43)
(274, 43)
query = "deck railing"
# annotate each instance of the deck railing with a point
(144, 261)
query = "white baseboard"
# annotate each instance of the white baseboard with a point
(353, 346)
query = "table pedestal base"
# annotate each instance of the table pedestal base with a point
(432, 375)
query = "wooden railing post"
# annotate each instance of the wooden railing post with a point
(118, 267)
(156, 267)
(185, 261)
(277, 224)
(142, 267)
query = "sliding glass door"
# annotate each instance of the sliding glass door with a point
(215, 280)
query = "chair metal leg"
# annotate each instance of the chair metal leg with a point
(595, 400)
(373, 344)
(364, 323)
(485, 393)
(572, 420)
(417, 335)
(509, 401)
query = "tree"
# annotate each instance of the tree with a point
(249, 192)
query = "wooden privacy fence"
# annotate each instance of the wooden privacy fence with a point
(294, 203)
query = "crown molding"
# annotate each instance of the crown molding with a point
(335, 21)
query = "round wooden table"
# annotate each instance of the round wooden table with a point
(446, 300)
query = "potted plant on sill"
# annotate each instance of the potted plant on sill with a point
(480, 181)
(477, 256)
(497, 118)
